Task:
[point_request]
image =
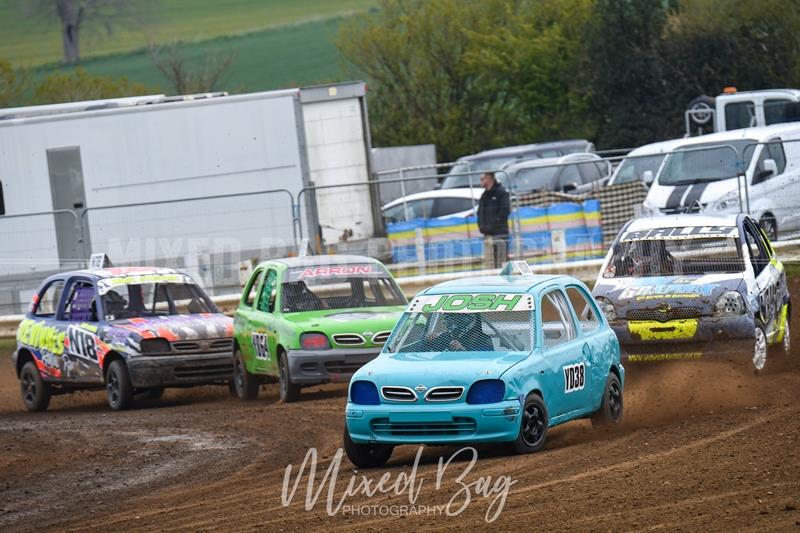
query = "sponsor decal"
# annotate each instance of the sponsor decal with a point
(469, 303)
(339, 270)
(106, 284)
(646, 358)
(653, 330)
(574, 377)
(686, 232)
(39, 335)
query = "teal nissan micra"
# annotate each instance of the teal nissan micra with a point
(486, 359)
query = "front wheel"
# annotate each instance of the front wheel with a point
(611, 407)
(760, 349)
(118, 386)
(533, 429)
(290, 392)
(245, 384)
(35, 392)
(366, 455)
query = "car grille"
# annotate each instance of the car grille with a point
(380, 338)
(348, 339)
(203, 346)
(444, 394)
(398, 394)
(458, 426)
(342, 367)
(673, 313)
(204, 371)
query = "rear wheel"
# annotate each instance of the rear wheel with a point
(245, 384)
(35, 392)
(611, 407)
(760, 349)
(366, 455)
(533, 429)
(290, 392)
(118, 386)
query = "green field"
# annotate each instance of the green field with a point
(289, 56)
(29, 42)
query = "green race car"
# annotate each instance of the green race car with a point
(312, 320)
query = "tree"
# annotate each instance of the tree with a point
(13, 84)
(188, 76)
(75, 15)
(80, 85)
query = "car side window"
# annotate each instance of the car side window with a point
(448, 206)
(758, 254)
(252, 286)
(265, 302)
(585, 309)
(590, 172)
(80, 305)
(570, 178)
(48, 300)
(557, 325)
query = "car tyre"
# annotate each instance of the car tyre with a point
(245, 384)
(35, 392)
(760, 349)
(290, 392)
(118, 386)
(533, 427)
(366, 455)
(612, 405)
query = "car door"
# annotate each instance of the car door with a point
(78, 317)
(47, 342)
(447, 206)
(244, 320)
(562, 350)
(594, 338)
(264, 330)
(770, 190)
(766, 291)
(569, 179)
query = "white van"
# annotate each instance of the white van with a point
(702, 175)
(642, 163)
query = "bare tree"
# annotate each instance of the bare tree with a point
(189, 77)
(76, 15)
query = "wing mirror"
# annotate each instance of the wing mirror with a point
(569, 187)
(769, 169)
(647, 177)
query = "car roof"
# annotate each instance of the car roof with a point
(761, 133)
(657, 148)
(110, 272)
(462, 192)
(578, 157)
(503, 284)
(319, 260)
(678, 221)
(524, 148)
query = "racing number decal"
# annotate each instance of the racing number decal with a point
(574, 377)
(260, 346)
(82, 343)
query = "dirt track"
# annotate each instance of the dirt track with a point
(704, 446)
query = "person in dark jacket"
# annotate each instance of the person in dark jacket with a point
(493, 211)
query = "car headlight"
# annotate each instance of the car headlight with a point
(730, 303)
(364, 393)
(314, 341)
(157, 345)
(608, 308)
(728, 202)
(486, 391)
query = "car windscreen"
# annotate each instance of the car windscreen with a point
(702, 163)
(533, 179)
(675, 257)
(502, 331)
(145, 300)
(464, 171)
(633, 169)
(318, 288)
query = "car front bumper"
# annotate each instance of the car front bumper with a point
(433, 424)
(327, 366)
(179, 370)
(692, 338)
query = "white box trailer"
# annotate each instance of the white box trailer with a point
(101, 154)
